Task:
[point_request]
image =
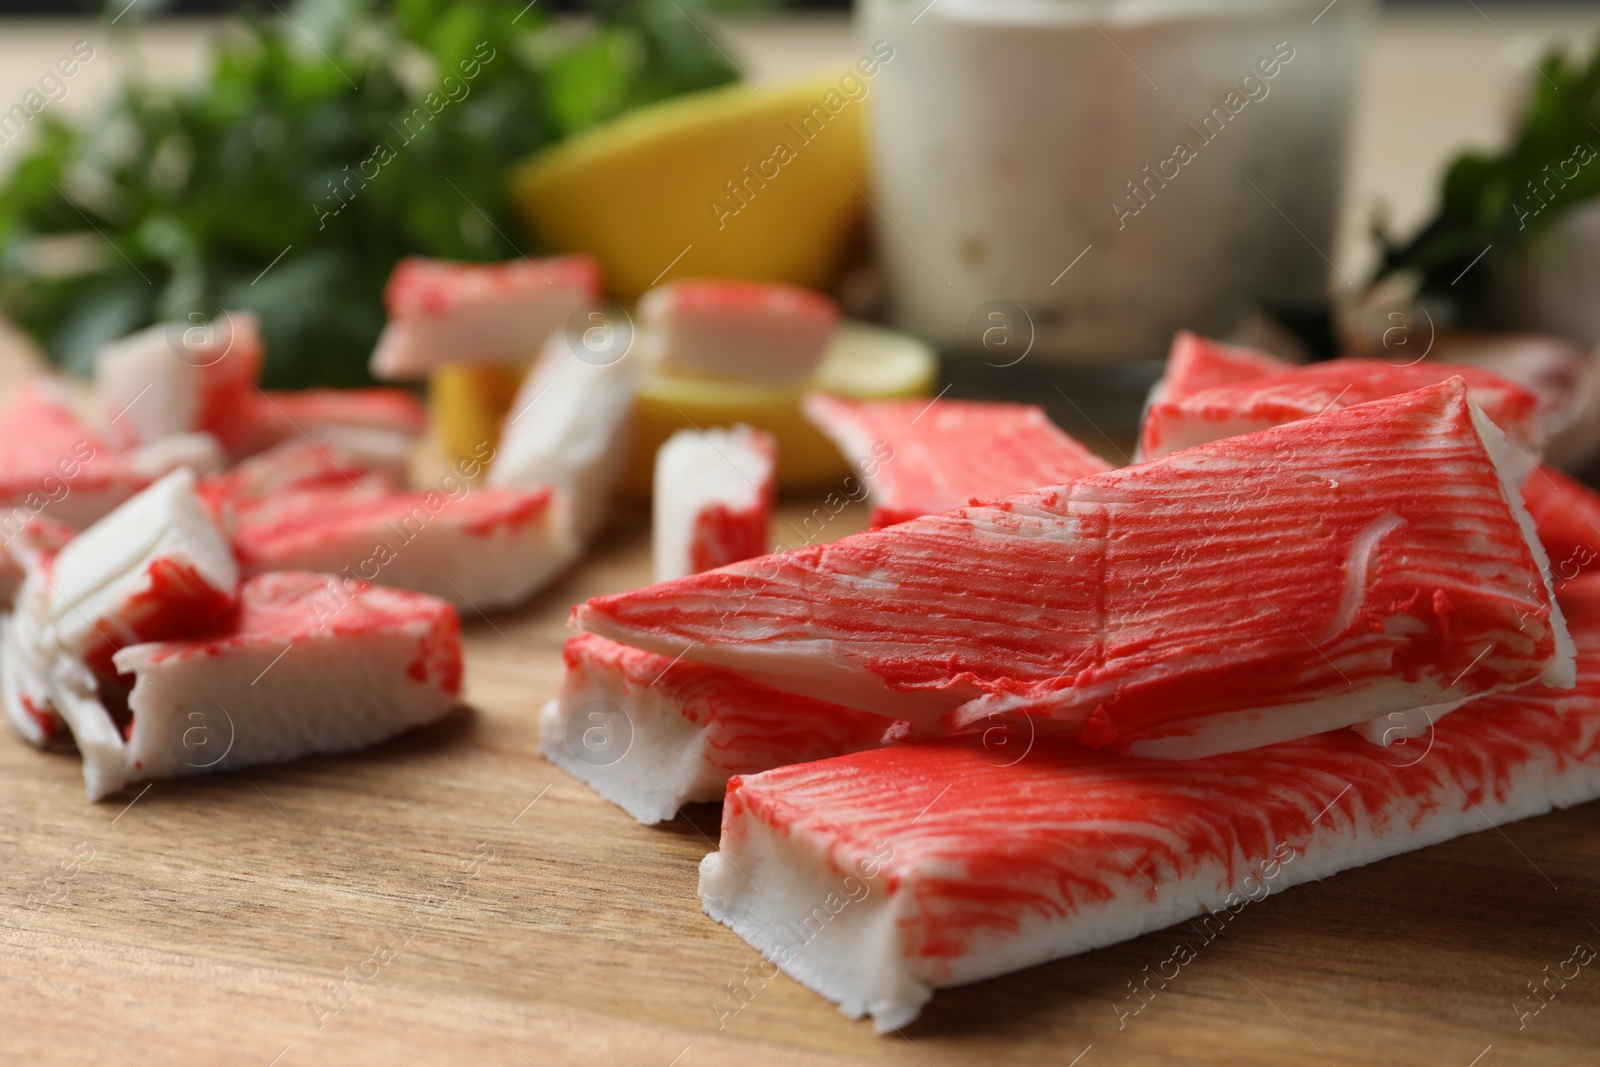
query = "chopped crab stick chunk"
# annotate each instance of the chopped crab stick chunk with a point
(737, 330)
(476, 547)
(312, 664)
(1171, 425)
(1195, 363)
(53, 465)
(921, 458)
(712, 500)
(378, 426)
(1567, 515)
(179, 377)
(651, 735)
(446, 312)
(570, 428)
(156, 567)
(876, 878)
(1249, 591)
(291, 466)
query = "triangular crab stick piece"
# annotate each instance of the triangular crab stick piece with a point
(1171, 425)
(295, 465)
(735, 330)
(179, 377)
(379, 426)
(921, 458)
(712, 499)
(156, 567)
(52, 464)
(1195, 363)
(651, 735)
(1253, 590)
(153, 569)
(446, 312)
(312, 664)
(878, 877)
(570, 427)
(476, 547)
(1567, 515)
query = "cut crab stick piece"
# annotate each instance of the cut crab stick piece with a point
(480, 548)
(156, 567)
(295, 465)
(311, 664)
(570, 428)
(1567, 515)
(179, 377)
(651, 735)
(737, 330)
(379, 426)
(876, 878)
(1253, 590)
(1171, 425)
(920, 457)
(54, 465)
(713, 497)
(1196, 363)
(446, 312)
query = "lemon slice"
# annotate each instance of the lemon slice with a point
(864, 362)
(734, 182)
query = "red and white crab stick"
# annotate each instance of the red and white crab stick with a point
(447, 312)
(878, 877)
(1253, 590)
(737, 330)
(712, 499)
(651, 735)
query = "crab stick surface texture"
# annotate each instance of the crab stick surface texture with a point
(878, 877)
(921, 458)
(1171, 425)
(1254, 590)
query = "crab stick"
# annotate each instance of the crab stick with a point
(446, 312)
(878, 877)
(53, 465)
(1176, 423)
(651, 735)
(570, 428)
(737, 330)
(1253, 590)
(921, 457)
(311, 664)
(476, 547)
(712, 499)
(179, 377)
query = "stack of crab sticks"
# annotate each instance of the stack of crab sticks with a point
(1111, 699)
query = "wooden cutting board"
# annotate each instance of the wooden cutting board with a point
(450, 897)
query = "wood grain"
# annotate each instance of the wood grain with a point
(480, 906)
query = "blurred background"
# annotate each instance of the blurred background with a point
(1042, 191)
